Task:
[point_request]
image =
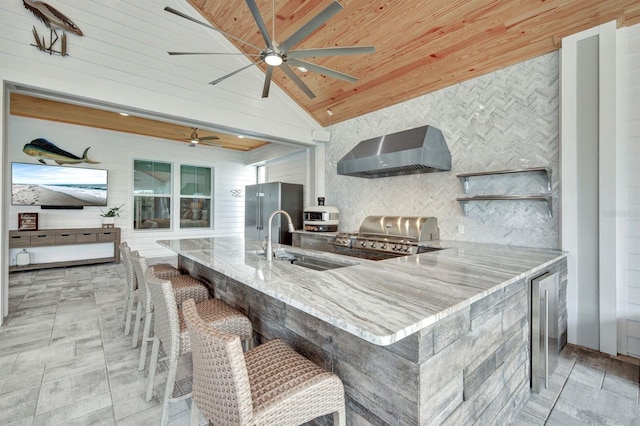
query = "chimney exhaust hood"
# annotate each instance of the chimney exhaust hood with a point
(413, 151)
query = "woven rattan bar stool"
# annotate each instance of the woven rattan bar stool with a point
(184, 287)
(170, 331)
(271, 384)
(131, 284)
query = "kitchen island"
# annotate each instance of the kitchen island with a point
(439, 337)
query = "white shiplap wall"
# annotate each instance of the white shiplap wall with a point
(116, 152)
(122, 59)
(289, 169)
(632, 211)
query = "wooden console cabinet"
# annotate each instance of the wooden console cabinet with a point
(61, 238)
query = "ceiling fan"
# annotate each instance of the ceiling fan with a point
(195, 139)
(279, 55)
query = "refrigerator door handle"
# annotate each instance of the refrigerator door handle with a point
(259, 212)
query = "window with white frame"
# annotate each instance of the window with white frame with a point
(151, 194)
(196, 195)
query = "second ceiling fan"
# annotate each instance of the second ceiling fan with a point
(194, 139)
(279, 55)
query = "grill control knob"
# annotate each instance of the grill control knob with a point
(405, 248)
(373, 245)
(363, 243)
(384, 246)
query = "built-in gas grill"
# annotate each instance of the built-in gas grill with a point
(384, 237)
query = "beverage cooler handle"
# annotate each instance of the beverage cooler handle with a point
(546, 339)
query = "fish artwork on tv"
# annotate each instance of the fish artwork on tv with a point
(43, 150)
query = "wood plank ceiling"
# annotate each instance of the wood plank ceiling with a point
(47, 109)
(421, 46)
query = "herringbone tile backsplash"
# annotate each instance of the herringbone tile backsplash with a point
(504, 120)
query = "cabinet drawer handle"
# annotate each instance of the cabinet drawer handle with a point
(87, 233)
(64, 235)
(106, 233)
(41, 236)
(16, 236)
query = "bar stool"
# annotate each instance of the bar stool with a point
(184, 286)
(170, 331)
(271, 384)
(131, 284)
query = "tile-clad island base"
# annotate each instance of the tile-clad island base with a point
(467, 362)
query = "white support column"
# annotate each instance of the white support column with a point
(4, 177)
(569, 178)
(622, 76)
(319, 170)
(608, 154)
(609, 186)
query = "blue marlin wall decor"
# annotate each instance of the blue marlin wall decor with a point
(42, 150)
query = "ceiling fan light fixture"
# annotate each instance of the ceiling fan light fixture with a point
(302, 69)
(273, 59)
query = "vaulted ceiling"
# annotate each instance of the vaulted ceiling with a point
(421, 45)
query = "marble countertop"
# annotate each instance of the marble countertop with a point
(378, 301)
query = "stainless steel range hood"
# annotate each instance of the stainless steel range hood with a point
(413, 151)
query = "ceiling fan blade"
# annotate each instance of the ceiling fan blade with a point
(311, 26)
(204, 24)
(292, 75)
(218, 144)
(258, 18)
(267, 82)
(224, 77)
(211, 53)
(321, 70)
(330, 51)
(208, 138)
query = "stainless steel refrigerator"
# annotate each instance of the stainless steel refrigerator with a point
(263, 199)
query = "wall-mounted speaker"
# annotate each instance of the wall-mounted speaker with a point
(321, 136)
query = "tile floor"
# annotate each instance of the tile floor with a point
(64, 360)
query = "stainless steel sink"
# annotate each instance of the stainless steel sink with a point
(316, 263)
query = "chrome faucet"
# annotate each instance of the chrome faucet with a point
(269, 250)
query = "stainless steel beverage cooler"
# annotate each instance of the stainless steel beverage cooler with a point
(543, 320)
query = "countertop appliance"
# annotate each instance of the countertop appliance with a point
(321, 218)
(263, 199)
(384, 237)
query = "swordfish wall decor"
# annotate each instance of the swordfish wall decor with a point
(54, 20)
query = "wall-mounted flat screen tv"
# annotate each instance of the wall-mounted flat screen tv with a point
(57, 186)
